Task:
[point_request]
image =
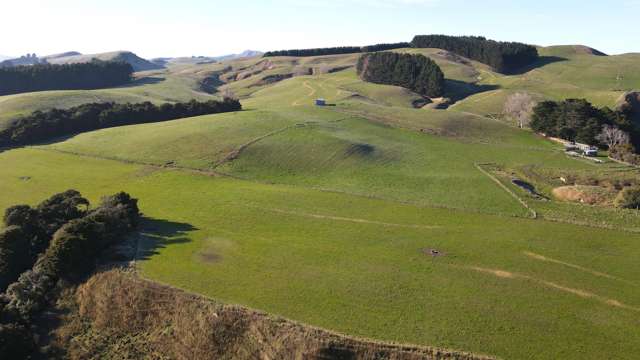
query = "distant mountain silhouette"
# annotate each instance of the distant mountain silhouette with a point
(62, 55)
(28, 59)
(205, 59)
(138, 63)
(70, 57)
(244, 54)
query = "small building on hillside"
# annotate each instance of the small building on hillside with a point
(592, 152)
(577, 149)
(320, 102)
(587, 150)
(583, 149)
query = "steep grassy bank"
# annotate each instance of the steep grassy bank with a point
(116, 315)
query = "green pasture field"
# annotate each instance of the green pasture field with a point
(356, 147)
(510, 287)
(329, 215)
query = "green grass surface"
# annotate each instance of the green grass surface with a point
(329, 150)
(563, 72)
(339, 149)
(356, 265)
(199, 142)
(321, 214)
(153, 86)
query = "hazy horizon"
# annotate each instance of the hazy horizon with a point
(197, 27)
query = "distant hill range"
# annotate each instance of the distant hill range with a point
(29, 59)
(62, 55)
(244, 54)
(205, 59)
(138, 63)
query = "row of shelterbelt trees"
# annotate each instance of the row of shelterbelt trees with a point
(90, 75)
(46, 125)
(502, 56)
(337, 50)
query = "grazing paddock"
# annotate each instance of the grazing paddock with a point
(504, 286)
(369, 217)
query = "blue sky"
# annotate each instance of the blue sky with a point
(199, 27)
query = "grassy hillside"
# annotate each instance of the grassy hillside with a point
(559, 74)
(562, 72)
(138, 63)
(155, 86)
(329, 215)
(329, 150)
(503, 286)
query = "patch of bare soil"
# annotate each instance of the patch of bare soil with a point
(553, 285)
(585, 194)
(441, 103)
(120, 316)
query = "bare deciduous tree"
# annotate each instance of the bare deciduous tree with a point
(519, 107)
(612, 136)
(229, 94)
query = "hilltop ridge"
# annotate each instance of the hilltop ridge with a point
(138, 63)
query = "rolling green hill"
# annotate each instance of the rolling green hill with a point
(562, 72)
(477, 89)
(154, 86)
(138, 63)
(331, 215)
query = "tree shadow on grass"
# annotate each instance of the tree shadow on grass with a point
(541, 62)
(147, 80)
(458, 90)
(156, 234)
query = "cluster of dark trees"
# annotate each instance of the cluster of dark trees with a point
(384, 47)
(414, 72)
(314, 52)
(504, 57)
(337, 50)
(59, 240)
(28, 231)
(92, 75)
(46, 125)
(578, 120)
